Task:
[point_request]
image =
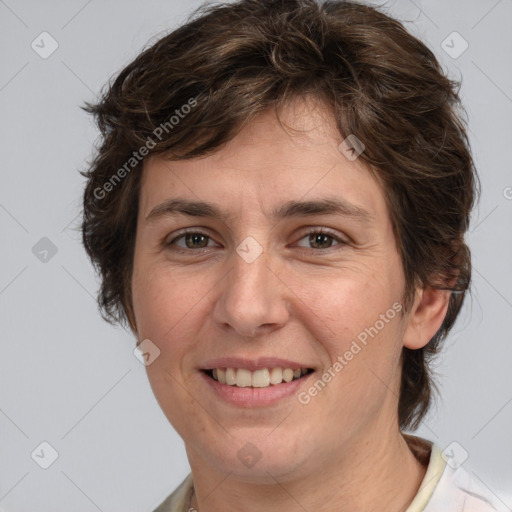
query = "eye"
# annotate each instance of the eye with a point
(322, 239)
(191, 239)
(318, 238)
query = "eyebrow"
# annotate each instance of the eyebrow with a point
(290, 209)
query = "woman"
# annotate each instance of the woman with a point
(278, 211)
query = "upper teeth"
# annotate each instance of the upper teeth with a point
(258, 379)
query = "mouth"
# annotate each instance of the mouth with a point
(261, 378)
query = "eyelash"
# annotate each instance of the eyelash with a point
(318, 231)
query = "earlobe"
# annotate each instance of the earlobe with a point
(426, 316)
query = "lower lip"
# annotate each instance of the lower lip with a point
(255, 397)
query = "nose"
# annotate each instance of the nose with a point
(252, 299)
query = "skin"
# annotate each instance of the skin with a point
(298, 300)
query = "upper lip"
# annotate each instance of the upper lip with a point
(252, 364)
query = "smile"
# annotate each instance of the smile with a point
(261, 378)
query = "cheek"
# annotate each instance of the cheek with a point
(162, 299)
(358, 324)
(340, 305)
(164, 309)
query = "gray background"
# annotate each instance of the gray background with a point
(70, 379)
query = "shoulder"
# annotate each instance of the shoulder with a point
(449, 487)
(458, 489)
(177, 501)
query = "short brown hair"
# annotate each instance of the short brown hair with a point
(232, 61)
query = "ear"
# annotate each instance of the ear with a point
(425, 316)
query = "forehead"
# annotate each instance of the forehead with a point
(271, 161)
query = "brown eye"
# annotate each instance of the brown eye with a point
(192, 239)
(321, 239)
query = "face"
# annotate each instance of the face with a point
(292, 265)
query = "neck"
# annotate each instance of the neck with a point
(377, 474)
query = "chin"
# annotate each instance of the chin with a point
(255, 456)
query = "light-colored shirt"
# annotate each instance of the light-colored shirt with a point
(446, 486)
